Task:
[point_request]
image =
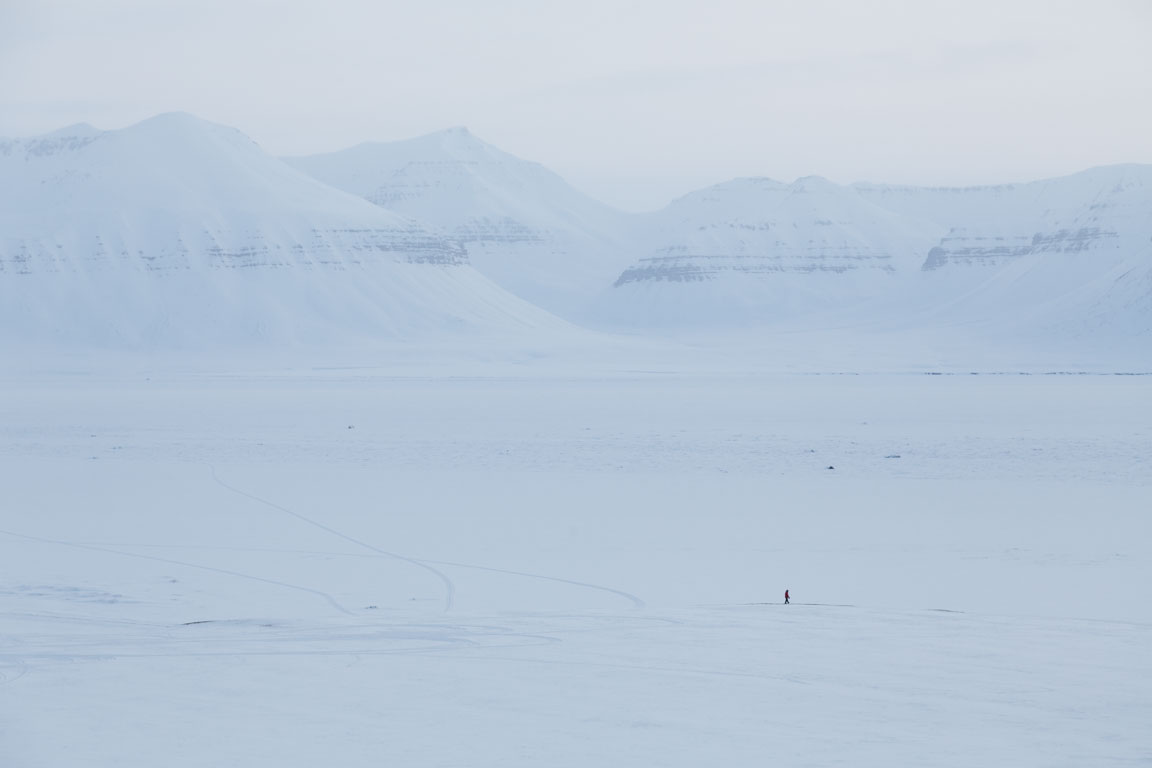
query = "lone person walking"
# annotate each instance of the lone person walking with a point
(785, 597)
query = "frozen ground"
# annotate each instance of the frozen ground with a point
(542, 565)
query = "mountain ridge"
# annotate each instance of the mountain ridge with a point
(175, 194)
(520, 223)
(180, 231)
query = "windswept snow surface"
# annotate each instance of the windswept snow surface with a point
(494, 563)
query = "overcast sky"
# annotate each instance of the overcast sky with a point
(634, 101)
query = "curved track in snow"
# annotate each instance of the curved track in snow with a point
(60, 542)
(449, 586)
(21, 669)
(637, 603)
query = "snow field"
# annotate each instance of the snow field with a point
(565, 570)
(736, 685)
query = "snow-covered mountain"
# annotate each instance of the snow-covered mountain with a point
(1073, 252)
(178, 231)
(1069, 254)
(754, 250)
(520, 224)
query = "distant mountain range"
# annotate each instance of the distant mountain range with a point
(1047, 253)
(177, 231)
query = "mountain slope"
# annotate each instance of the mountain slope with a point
(1071, 254)
(521, 225)
(754, 250)
(178, 231)
(1062, 256)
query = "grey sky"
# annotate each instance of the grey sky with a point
(634, 101)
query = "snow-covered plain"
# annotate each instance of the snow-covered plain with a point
(471, 560)
(291, 480)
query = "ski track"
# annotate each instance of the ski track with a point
(59, 542)
(637, 603)
(76, 619)
(449, 586)
(6, 677)
(453, 638)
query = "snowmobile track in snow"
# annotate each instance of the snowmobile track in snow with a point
(7, 677)
(637, 603)
(449, 586)
(59, 542)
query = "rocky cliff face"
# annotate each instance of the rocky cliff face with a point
(754, 250)
(1101, 211)
(761, 227)
(1067, 253)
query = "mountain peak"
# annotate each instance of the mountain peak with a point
(132, 234)
(179, 123)
(176, 121)
(812, 184)
(458, 141)
(762, 182)
(1126, 175)
(74, 131)
(71, 138)
(182, 132)
(457, 130)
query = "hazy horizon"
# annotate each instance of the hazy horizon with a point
(654, 207)
(635, 103)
